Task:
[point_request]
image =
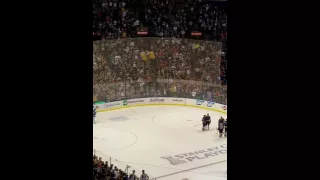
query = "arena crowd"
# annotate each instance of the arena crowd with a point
(171, 60)
(103, 171)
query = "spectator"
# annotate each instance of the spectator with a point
(144, 176)
(133, 176)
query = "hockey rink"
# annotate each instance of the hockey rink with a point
(165, 141)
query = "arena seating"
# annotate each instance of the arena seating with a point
(169, 61)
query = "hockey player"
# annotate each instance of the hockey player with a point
(208, 116)
(225, 128)
(144, 176)
(208, 119)
(94, 114)
(220, 126)
(203, 122)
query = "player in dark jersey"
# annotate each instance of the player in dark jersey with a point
(225, 128)
(221, 126)
(203, 122)
(208, 119)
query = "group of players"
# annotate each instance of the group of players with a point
(222, 125)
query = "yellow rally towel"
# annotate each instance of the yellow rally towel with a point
(197, 46)
(143, 56)
(151, 55)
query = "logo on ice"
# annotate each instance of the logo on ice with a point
(125, 102)
(224, 107)
(196, 155)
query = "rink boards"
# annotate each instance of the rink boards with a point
(162, 101)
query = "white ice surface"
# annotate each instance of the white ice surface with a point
(140, 136)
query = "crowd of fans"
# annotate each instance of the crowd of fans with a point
(164, 18)
(118, 58)
(103, 171)
(144, 67)
(116, 19)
